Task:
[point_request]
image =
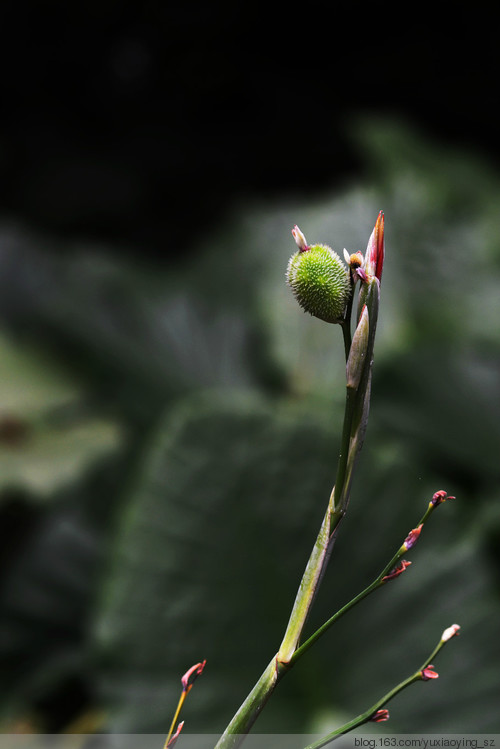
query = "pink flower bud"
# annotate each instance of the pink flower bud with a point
(191, 675)
(440, 496)
(450, 632)
(175, 736)
(300, 239)
(428, 673)
(374, 258)
(412, 538)
(380, 716)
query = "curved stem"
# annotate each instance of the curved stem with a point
(368, 714)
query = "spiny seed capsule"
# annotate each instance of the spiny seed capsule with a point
(319, 280)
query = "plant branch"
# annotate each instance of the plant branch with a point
(379, 581)
(353, 431)
(424, 673)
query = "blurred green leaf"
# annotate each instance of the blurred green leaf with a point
(30, 381)
(141, 334)
(41, 449)
(219, 492)
(49, 458)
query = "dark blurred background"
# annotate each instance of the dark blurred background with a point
(164, 403)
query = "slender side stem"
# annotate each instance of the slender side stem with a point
(368, 714)
(346, 327)
(174, 719)
(249, 711)
(377, 583)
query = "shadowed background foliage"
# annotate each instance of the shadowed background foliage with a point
(170, 418)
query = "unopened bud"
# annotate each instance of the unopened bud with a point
(440, 496)
(300, 239)
(450, 632)
(357, 353)
(191, 675)
(374, 258)
(380, 716)
(428, 673)
(175, 736)
(412, 538)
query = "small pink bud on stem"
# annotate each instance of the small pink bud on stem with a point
(428, 673)
(412, 538)
(300, 239)
(187, 682)
(380, 716)
(374, 258)
(191, 675)
(439, 497)
(450, 632)
(175, 736)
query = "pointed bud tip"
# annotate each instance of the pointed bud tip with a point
(175, 736)
(375, 250)
(300, 239)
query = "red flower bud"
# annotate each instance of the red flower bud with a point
(191, 675)
(440, 496)
(429, 673)
(412, 538)
(374, 258)
(380, 716)
(300, 239)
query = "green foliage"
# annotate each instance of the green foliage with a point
(45, 444)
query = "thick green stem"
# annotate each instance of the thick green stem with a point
(240, 725)
(355, 416)
(250, 709)
(308, 585)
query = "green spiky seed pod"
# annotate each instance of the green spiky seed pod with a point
(320, 282)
